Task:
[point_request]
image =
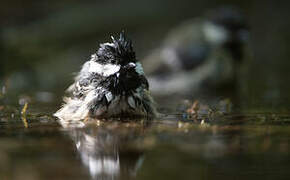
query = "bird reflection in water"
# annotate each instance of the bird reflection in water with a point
(108, 149)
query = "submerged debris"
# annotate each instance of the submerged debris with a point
(24, 120)
(203, 123)
(23, 115)
(203, 111)
(24, 109)
(193, 110)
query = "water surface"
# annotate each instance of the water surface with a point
(228, 146)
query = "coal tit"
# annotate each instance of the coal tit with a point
(200, 55)
(111, 84)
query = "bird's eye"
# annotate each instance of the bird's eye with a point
(113, 61)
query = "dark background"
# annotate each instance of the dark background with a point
(43, 42)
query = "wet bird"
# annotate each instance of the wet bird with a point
(200, 55)
(111, 84)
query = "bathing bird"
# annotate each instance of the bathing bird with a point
(112, 84)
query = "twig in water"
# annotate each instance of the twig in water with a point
(23, 111)
(23, 115)
(24, 120)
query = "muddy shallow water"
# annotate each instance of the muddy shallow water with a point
(228, 146)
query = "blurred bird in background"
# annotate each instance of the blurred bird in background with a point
(201, 55)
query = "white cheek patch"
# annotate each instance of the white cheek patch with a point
(95, 67)
(110, 69)
(104, 70)
(109, 44)
(215, 33)
(139, 68)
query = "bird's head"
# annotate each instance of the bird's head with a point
(227, 27)
(116, 63)
(226, 24)
(118, 52)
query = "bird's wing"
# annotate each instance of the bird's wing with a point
(85, 81)
(85, 98)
